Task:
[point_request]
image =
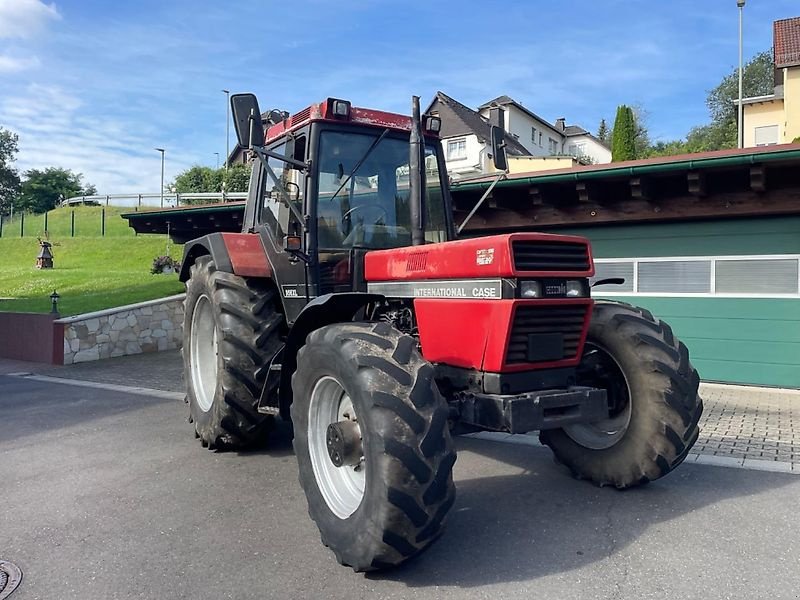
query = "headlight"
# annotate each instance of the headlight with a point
(576, 288)
(530, 289)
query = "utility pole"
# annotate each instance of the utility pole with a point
(227, 126)
(740, 139)
(162, 175)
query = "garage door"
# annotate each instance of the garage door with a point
(730, 290)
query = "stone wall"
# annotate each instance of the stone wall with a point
(149, 326)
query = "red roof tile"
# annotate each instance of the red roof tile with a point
(787, 42)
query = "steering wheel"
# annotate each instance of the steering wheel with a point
(383, 211)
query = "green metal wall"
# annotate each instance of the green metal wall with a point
(755, 341)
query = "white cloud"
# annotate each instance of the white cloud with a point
(12, 64)
(56, 128)
(25, 18)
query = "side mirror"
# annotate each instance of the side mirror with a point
(499, 148)
(247, 120)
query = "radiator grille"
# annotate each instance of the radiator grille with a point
(531, 320)
(550, 256)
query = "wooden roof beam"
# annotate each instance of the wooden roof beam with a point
(641, 189)
(758, 179)
(696, 182)
(587, 191)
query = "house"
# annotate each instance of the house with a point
(541, 138)
(775, 118)
(466, 138)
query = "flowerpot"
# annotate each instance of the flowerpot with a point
(167, 270)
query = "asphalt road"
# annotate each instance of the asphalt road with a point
(106, 494)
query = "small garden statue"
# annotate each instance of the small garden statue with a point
(44, 260)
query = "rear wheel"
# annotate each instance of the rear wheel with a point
(231, 331)
(372, 442)
(654, 406)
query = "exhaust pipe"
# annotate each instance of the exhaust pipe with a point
(416, 176)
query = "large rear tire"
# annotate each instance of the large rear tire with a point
(389, 502)
(231, 332)
(653, 399)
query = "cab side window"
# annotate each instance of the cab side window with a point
(290, 184)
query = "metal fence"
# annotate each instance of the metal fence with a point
(93, 216)
(159, 200)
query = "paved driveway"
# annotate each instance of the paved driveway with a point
(106, 494)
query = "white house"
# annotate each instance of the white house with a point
(466, 138)
(541, 138)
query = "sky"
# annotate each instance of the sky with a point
(96, 85)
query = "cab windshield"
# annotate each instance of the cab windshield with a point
(363, 197)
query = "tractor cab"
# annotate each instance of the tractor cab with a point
(335, 182)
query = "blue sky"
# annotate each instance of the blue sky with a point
(95, 85)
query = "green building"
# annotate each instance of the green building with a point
(710, 243)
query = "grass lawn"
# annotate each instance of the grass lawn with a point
(88, 223)
(91, 273)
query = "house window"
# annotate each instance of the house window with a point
(756, 276)
(676, 276)
(456, 149)
(540, 138)
(608, 270)
(767, 276)
(766, 136)
(552, 146)
(533, 134)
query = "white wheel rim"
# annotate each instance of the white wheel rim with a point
(203, 353)
(341, 487)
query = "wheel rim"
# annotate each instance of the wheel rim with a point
(341, 487)
(203, 353)
(600, 369)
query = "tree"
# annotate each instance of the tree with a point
(9, 178)
(199, 179)
(603, 134)
(758, 79)
(641, 136)
(623, 137)
(41, 190)
(237, 178)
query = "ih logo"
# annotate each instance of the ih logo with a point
(484, 256)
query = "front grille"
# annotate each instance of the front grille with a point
(550, 256)
(545, 321)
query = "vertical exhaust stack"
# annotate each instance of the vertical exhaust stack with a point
(416, 176)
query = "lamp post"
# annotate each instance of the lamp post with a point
(740, 133)
(162, 175)
(54, 302)
(227, 125)
(217, 155)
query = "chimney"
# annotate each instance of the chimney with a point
(496, 117)
(561, 124)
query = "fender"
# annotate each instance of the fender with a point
(237, 253)
(325, 310)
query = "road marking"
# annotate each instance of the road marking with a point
(748, 464)
(141, 391)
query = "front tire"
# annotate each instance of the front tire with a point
(387, 503)
(653, 399)
(231, 331)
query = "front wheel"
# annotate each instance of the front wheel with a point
(654, 406)
(373, 446)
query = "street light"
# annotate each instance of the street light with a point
(217, 154)
(227, 126)
(162, 175)
(740, 138)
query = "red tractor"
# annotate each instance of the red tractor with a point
(347, 305)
